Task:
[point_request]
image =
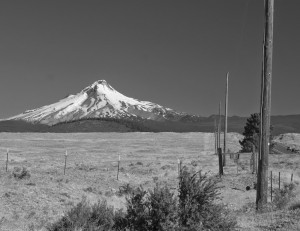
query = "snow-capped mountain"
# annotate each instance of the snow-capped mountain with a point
(98, 100)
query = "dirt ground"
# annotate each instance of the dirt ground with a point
(32, 203)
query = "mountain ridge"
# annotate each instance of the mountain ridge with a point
(281, 125)
(98, 100)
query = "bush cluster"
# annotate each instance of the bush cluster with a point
(84, 216)
(192, 208)
(126, 189)
(150, 210)
(284, 195)
(197, 209)
(21, 173)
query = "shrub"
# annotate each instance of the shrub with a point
(88, 189)
(83, 216)
(284, 195)
(109, 193)
(197, 208)
(194, 163)
(285, 220)
(193, 209)
(85, 167)
(163, 211)
(125, 190)
(120, 221)
(155, 178)
(137, 210)
(21, 173)
(152, 210)
(165, 167)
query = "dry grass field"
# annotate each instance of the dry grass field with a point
(32, 203)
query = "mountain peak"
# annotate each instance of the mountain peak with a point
(102, 85)
(101, 82)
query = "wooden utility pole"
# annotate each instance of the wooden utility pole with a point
(220, 162)
(263, 160)
(216, 137)
(226, 115)
(219, 126)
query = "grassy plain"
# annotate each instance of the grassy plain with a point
(31, 204)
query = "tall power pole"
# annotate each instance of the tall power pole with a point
(219, 126)
(216, 138)
(263, 160)
(226, 115)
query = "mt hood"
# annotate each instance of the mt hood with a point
(98, 100)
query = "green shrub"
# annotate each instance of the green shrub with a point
(163, 206)
(83, 217)
(284, 195)
(21, 173)
(125, 190)
(193, 209)
(155, 178)
(285, 220)
(151, 210)
(120, 221)
(109, 193)
(194, 163)
(197, 208)
(137, 210)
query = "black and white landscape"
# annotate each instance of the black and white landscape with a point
(153, 115)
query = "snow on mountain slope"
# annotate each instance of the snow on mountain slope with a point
(94, 101)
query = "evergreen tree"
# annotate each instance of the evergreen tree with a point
(251, 133)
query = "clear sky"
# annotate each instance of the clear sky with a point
(174, 53)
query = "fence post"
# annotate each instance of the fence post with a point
(65, 162)
(254, 159)
(237, 164)
(220, 161)
(180, 166)
(251, 163)
(271, 187)
(292, 178)
(279, 180)
(7, 160)
(118, 167)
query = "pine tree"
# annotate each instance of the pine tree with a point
(251, 133)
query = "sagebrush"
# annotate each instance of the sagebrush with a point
(284, 195)
(21, 173)
(193, 207)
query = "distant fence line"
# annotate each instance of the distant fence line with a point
(234, 156)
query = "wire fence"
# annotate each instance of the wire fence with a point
(237, 163)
